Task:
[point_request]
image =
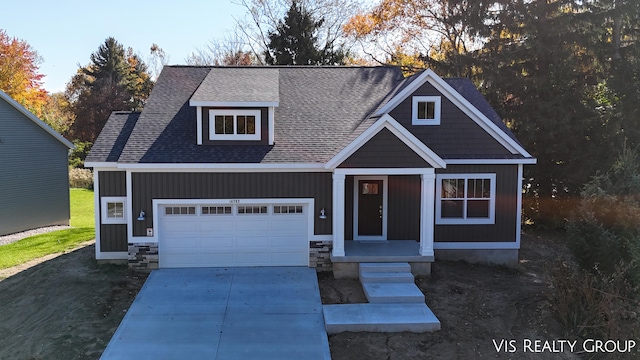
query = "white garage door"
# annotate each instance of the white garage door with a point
(215, 235)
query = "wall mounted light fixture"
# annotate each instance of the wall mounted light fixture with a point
(323, 214)
(141, 216)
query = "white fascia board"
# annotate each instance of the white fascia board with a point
(527, 161)
(233, 104)
(272, 129)
(35, 119)
(237, 167)
(98, 165)
(399, 131)
(462, 103)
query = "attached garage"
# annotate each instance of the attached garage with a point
(219, 233)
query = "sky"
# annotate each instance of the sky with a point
(66, 32)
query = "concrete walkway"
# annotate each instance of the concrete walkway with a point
(224, 313)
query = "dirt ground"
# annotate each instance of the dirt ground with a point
(475, 305)
(68, 307)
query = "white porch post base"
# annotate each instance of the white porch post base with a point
(427, 216)
(338, 214)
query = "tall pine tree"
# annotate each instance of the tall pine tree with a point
(116, 79)
(295, 42)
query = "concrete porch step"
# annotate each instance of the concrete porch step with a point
(385, 267)
(393, 293)
(387, 277)
(416, 318)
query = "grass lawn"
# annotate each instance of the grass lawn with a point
(82, 220)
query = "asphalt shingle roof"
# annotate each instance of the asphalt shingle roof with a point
(321, 109)
(232, 85)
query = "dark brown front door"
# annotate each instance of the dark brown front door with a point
(370, 196)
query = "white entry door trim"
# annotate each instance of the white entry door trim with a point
(385, 207)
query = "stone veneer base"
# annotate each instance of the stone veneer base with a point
(143, 256)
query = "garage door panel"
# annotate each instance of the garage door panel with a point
(207, 239)
(216, 242)
(217, 225)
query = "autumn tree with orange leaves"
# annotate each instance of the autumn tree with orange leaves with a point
(19, 73)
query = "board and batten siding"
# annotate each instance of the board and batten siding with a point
(34, 175)
(113, 237)
(456, 136)
(403, 207)
(384, 150)
(506, 216)
(149, 186)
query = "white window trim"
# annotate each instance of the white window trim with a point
(436, 112)
(234, 136)
(104, 201)
(466, 221)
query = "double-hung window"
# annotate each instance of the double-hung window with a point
(234, 124)
(465, 199)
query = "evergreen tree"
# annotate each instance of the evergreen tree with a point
(295, 42)
(116, 79)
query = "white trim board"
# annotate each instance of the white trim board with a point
(458, 100)
(528, 161)
(233, 104)
(389, 123)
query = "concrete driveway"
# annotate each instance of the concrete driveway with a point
(224, 313)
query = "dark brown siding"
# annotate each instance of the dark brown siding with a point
(504, 229)
(113, 237)
(149, 186)
(384, 150)
(264, 128)
(403, 222)
(348, 209)
(457, 135)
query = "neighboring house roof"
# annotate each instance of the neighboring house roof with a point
(319, 111)
(29, 115)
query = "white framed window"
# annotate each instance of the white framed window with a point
(234, 124)
(465, 199)
(425, 110)
(252, 209)
(288, 209)
(180, 210)
(113, 209)
(216, 210)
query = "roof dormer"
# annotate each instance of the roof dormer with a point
(234, 104)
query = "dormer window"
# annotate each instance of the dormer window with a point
(234, 124)
(425, 110)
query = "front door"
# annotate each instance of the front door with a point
(370, 209)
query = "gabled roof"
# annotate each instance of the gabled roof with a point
(29, 115)
(466, 99)
(322, 114)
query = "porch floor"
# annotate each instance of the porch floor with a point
(382, 251)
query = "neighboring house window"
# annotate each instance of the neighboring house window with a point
(465, 199)
(425, 110)
(234, 124)
(113, 210)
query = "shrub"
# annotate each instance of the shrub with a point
(605, 229)
(595, 304)
(80, 178)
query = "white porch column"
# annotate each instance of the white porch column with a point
(427, 213)
(338, 214)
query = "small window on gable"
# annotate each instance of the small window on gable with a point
(425, 110)
(113, 210)
(234, 124)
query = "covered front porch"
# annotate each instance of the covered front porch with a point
(356, 241)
